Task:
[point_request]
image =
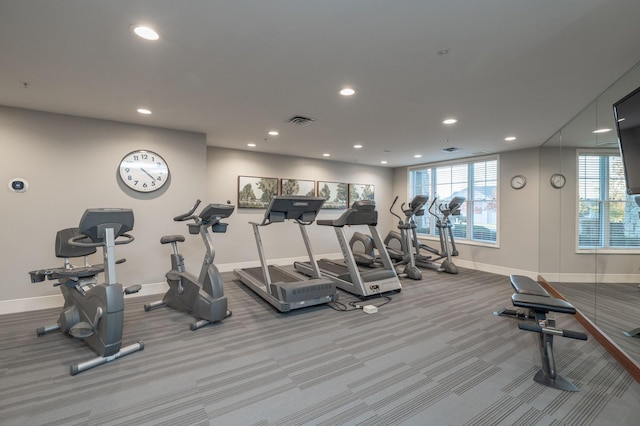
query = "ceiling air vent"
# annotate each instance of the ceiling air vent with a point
(452, 149)
(299, 120)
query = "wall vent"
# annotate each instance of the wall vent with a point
(299, 120)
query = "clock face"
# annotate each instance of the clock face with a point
(518, 182)
(558, 180)
(144, 171)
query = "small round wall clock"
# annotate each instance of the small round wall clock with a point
(144, 171)
(558, 180)
(518, 182)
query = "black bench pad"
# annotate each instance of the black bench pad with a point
(542, 303)
(525, 285)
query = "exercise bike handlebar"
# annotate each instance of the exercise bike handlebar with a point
(188, 215)
(76, 241)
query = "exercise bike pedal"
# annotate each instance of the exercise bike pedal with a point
(81, 330)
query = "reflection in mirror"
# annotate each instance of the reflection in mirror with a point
(590, 228)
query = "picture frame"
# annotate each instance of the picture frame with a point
(298, 187)
(359, 191)
(256, 192)
(335, 194)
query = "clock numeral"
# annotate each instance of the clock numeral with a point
(159, 178)
(129, 177)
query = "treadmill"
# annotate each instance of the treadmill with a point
(346, 275)
(283, 289)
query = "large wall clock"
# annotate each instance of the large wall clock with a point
(144, 171)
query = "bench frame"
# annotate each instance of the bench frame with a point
(537, 303)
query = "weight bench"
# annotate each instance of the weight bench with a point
(523, 285)
(537, 303)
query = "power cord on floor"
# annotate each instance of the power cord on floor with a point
(357, 305)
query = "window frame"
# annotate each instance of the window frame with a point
(604, 203)
(468, 211)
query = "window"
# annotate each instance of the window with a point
(607, 216)
(476, 181)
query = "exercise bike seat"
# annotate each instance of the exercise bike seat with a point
(65, 250)
(172, 239)
(76, 272)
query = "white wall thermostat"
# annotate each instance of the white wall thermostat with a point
(18, 185)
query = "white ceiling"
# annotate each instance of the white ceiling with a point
(237, 69)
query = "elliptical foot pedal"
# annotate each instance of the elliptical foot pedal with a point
(132, 289)
(81, 330)
(198, 324)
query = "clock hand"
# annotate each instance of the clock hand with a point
(147, 173)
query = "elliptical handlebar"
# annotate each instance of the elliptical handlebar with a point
(433, 202)
(188, 215)
(391, 208)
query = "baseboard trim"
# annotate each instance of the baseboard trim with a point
(14, 306)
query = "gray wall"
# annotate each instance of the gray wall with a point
(283, 241)
(518, 218)
(71, 164)
(559, 260)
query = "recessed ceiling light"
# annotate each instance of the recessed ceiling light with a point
(358, 146)
(417, 156)
(326, 154)
(383, 162)
(510, 138)
(347, 91)
(450, 121)
(619, 119)
(273, 133)
(144, 32)
(144, 111)
(601, 130)
(251, 144)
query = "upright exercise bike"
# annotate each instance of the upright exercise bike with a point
(92, 312)
(202, 296)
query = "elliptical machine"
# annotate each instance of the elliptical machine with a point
(202, 296)
(92, 312)
(397, 244)
(445, 232)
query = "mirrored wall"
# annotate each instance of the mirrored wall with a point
(589, 233)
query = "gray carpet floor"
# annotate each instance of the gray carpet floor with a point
(434, 355)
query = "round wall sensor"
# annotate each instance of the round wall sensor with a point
(18, 185)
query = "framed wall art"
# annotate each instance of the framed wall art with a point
(297, 187)
(358, 191)
(256, 192)
(335, 194)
